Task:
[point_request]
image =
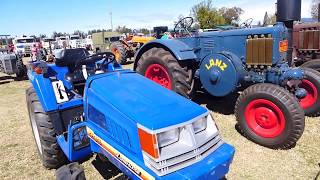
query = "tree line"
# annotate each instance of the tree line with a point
(206, 16)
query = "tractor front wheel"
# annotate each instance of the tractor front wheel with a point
(44, 134)
(270, 116)
(119, 51)
(311, 83)
(161, 67)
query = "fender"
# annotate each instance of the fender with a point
(44, 90)
(178, 49)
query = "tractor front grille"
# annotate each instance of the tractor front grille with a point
(259, 50)
(166, 166)
(309, 40)
(27, 49)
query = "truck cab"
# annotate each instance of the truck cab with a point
(23, 45)
(75, 41)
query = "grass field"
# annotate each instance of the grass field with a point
(19, 158)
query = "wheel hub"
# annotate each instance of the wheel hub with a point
(116, 53)
(312, 94)
(265, 118)
(159, 74)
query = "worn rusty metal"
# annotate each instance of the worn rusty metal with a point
(259, 50)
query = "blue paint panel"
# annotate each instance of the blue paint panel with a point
(142, 100)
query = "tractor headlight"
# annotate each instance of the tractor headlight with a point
(177, 139)
(200, 125)
(168, 137)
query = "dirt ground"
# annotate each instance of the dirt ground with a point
(19, 158)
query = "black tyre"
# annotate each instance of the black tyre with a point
(44, 134)
(270, 116)
(119, 51)
(72, 171)
(311, 83)
(161, 67)
(21, 68)
(313, 64)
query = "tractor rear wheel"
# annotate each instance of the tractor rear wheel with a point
(44, 134)
(313, 64)
(270, 116)
(311, 83)
(21, 68)
(161, 67)
(119, 51)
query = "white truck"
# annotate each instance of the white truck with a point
(75, 41)
(62, 42)
(48, 43)
(23, 45)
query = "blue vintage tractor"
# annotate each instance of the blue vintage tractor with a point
(220, 61)
(84, 104)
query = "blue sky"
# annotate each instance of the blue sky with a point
(45, 16)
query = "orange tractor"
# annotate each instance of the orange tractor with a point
(127, 46)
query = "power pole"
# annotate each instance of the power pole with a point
(111, 15)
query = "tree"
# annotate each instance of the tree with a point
(144, 31)
(58, 34)
(42, 36)
(314, 8)
(269, 20)
(123, 29)
(231, 15)
(80, 33)
(207, 16)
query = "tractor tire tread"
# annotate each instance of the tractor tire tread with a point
(122, 51)
(288, 100)
(180, 75)
(315, 75)
(52, 155)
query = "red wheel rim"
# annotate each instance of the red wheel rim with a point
(312, 94)
(265, 118)
(159, 74)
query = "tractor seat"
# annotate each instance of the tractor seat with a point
(69, 57)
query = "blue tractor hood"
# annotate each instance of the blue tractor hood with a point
(277, 31)
(141, 100)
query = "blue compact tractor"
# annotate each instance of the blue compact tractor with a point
(270, 110)
(84, 104)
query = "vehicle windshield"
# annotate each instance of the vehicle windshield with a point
(48, 40)
(25, 40)
(3, 42)
(73, 38)
(112, 39)
(62, 39)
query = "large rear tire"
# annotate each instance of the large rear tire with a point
(119, 51)
(270, 116)
(161, 67)
(313, 64)
(44, 134)
(311, 83)
(21, 68)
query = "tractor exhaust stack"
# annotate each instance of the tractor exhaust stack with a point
(289, 11)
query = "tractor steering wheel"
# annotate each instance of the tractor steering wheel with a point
(247, 23)
(105, 56)
(89, 66)
(183, 25)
